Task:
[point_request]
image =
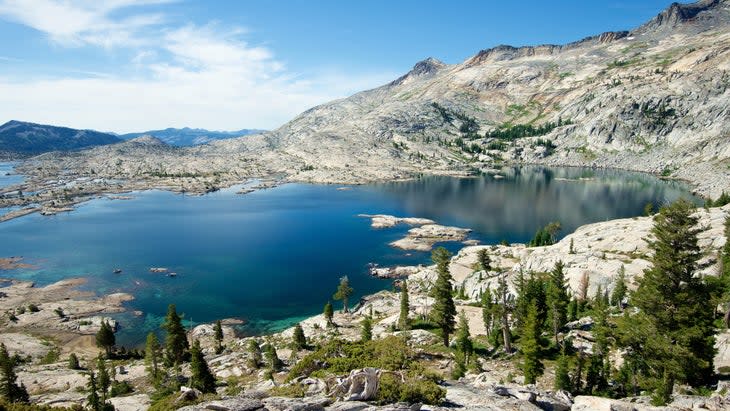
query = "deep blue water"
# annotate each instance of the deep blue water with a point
(8, 176)
(274, 256)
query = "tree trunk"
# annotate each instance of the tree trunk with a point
(446, 337)
(506, 336)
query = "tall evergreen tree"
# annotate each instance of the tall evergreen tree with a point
(272, 357)
(176, 341)
(532, 367)
(103, 379)
(299, 341)
(10, 390)
(329, 313)
(366, 329)
(502, 312)
(201, 378)
(105, 338)
(562, 377)
(254, 352)
(73, 362)
(443, 310)
(344, 291)
(93, 398)
(484, 260)
(403, 322)
(218, 335)
(675, 307)
(487, 311)
(619, 288)
(557, 299)
(153, 359)
(463, 338)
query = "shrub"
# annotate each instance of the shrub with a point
(121, 388)
(33, 308)
(393, 389)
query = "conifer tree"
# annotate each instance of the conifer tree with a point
(9, 388)
(532, 367)
(619, 288)
(272, 358)
(403, 322)
(73, 362)
(201, 378)
(153, 359)
(366, 329)
(176, 341)
(299, 341)
(93, 398)
(344, 291)
(557, 299)
(104, 381)
(443, 310)
(218, 330)
(484, 260)
(328, 313)
(254, 352)
(572, 310)
(105, 338)
(675, 306)
(562, 377)
(502, 312)
(487, 311)
(463, 339)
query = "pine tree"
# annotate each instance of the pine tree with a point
(366, 329)
(502, 312)
(103, 378)
(463, 339)
(153, 359)
(105, 338)
(487, 310)
(299, 341)
(619, 289)
(93, 398)
(9, 388)
(254, 351)
(484, 260)
(562, 377)
(572, 310)
(530, 346)
(328, 313)
(73, 362)
(557, 299)
(218, 330)
(675, 306)
(724, 294)
(443, 310)
(272, 358)
(176, 341)
(344, 291)
(201, 378)
(403, 322)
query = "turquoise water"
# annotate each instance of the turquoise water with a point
(274, 256)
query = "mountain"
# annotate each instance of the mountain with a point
(23, 138)
(653, 99)
(190, 136)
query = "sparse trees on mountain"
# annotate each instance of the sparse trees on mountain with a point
(366, 329)
(329, 313)
(557, 299)
(619, 288)
(299, 341)
(153, 359)
(485, 262)
(10, 390)
(532, 367)
(218, 335)
(255, 358)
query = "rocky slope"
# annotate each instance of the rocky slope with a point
(190, 136)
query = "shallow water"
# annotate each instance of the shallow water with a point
(274, 256)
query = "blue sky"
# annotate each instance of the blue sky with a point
(132, 65)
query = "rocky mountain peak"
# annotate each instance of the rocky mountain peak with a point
(147, 140)
(678, 13)
(424, 67)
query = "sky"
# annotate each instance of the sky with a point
(135, 65)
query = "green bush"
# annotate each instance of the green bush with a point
(393, 389)
(121, 388)
(33, 308)
(291, 390)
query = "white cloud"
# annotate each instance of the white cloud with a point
(186, 75)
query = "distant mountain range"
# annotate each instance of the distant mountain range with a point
(190, 136)
(24, 139)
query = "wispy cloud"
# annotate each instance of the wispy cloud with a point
(186, 74)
